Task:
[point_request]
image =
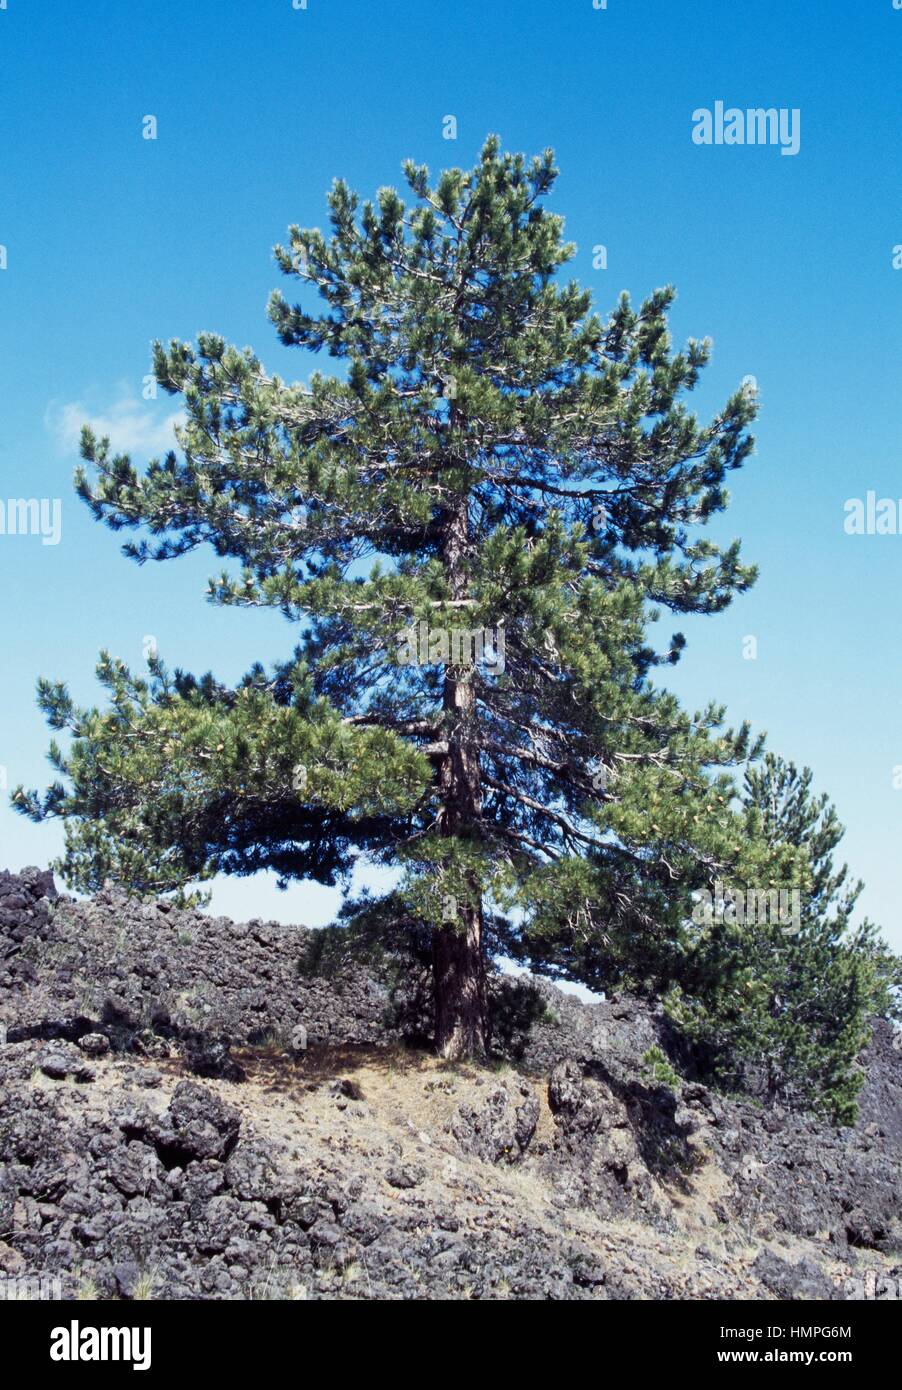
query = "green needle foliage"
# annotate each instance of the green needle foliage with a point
(492, 457)
(785, 1007)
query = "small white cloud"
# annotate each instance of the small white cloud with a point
(133, 426)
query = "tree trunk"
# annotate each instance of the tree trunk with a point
(461, 1028)
(460, 1007)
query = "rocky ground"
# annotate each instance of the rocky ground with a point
(195, 1108)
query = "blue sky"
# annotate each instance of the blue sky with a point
(786, 262)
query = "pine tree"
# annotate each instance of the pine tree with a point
(787, 1005)
(474, 522)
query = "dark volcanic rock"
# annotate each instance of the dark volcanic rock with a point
(792, 1281)
(61, 1062)
(154, 979)
(131, 1181)
(596, 1146)
(404, 1175)
(196, 1125)
(500, 1127)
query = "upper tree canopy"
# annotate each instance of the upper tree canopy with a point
(503, 459)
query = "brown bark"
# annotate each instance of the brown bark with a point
(460, 1005)
(459, 966)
